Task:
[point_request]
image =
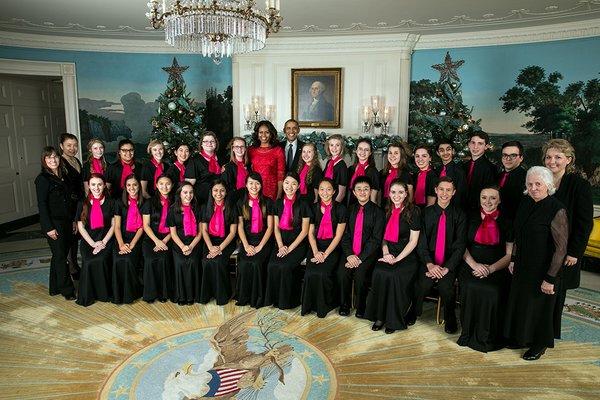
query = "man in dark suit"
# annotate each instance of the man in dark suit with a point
(319, 109)
(511, 179)
(479, 170)
(292, 146)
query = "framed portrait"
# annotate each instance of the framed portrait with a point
(317, 96)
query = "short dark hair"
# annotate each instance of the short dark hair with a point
(424, 147)
(123, 142)
(481, 134)
(444, 141)
(291, 120)
(362, 179)
(66, 136)
(446, 179)
(514, 143)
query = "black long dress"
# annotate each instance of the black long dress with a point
(74, 180)
(187, 275)
(95, 281)
(126, 286)
(541, 233)
(483, 300)
(319, 289)
(251, 276)
(392, 287)
(147, 174)
(216, 280)
(174, 173)
(158, 265)
(284, 274)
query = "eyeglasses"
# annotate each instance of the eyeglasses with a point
(126, 150)
(208, 142)
(510, 156)
(238, 147)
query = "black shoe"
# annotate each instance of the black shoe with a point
(411, 318)
(451, 326)
(344, 311)
(70, 297)
(240, 304)
(162, 300)
(360, 314)
(377, 326)
(389, 331)
(534, 353)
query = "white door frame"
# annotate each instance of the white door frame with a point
(66, 70)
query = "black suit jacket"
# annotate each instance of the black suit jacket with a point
(372, 232)
(297, 155)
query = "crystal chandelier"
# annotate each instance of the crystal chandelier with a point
(215, 28)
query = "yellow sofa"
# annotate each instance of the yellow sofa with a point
(593, 246)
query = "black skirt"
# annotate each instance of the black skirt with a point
(187, 275)
(284, 278)
(95, 281)
(251, 275)
(319, 289)
(216, 280)
(126, 285)
(158, 272)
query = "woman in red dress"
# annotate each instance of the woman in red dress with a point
(267, 158)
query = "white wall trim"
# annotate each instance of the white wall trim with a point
(66, 71)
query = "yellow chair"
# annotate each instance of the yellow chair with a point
(593, 246)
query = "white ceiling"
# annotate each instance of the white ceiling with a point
(126, 19)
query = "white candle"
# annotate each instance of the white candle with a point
(366, 113)
(255, 103)
(375, 103)
(247, 111)
(164, 6)
(277, 5)
(386, 114)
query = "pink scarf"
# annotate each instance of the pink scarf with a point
(359, 170)
(158, 171)
(470, 173)
(241, 175)
(286, 218)
(330, 165)
(303, 175)
(440, 240)
(420, 198)
(190, 227)
(256, 226)
(127, 170)
(488, 232)
(97, 167)
(358, 227)
(392, 229)
(181, 167)
(96, 216)
(503, 179)
(326, 226)
(134, 218)
(393, 173)
(216, 226)
(162, 225)
(443, 171)
(213, 163)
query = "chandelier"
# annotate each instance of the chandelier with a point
(215, 28)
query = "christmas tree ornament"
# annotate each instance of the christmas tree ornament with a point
(448, 69)
(172, 106)
(175, 72)
(180, 111)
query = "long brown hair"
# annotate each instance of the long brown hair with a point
(246, 212)
(47, 152)
(314, 166)
(91, 156)
(404, 152)
(407, 204)
(85, 209)
(232, 154)
(371, 159)
(125, 195)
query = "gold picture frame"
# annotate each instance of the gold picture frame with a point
(317, 97)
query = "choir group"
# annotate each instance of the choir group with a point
(509, 242)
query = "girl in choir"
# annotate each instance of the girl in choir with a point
(395, 168)
(484, 279)
(328, 221)
(184, 224)
(364, 165)
(95, 164)
(310, 173)
(219, 226)
(152, 168)
(394, 274)
(53, 198)
(124, 166)
(204, 168)
(127, 254)
(267, 158)
(255, 229)
(424, 180)
(236, 170)
(292, 219)
(176, 171)
(336, 167)
(96, 226)
(158, 265)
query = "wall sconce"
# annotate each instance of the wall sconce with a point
(255, 112)
(371, 116)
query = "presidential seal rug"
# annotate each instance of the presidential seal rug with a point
(51, 348)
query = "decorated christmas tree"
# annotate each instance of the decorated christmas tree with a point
(179, 117)
(437, 109)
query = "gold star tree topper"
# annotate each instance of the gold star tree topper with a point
(448, 68)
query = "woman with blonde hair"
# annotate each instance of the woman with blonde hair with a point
(95, 163)
(152, 168)
(310, 173)
(336, 167)
(236, 170)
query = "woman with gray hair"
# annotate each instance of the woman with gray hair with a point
(541, 234)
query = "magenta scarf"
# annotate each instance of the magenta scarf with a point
(443, 171)
(213, 163)
(392, 229)
(181, 167)
(241, 175)
(96, 216)
(470, 173)
(190, 227)
(358, 227)
(158, 171)
(488, 232)
(326, 226)
(256, 225)
(420, 197)
(97, 167)
(393, 173)
(330, 165)
(303, 175)
(359, 170)
(503, 179)
(162, 225)
(440, 241)
(285, 222)
(216, 226)
(134, 218)
(127, 170)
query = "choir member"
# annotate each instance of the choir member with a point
(292, 219)
(127, 252)
(204, 168)
(56, 221)
(96, 226)
(392, 288)
(440, 249)
(267, 158)
(446, 152)
(327, 225)
(541, 235)
(219, 226)
(95, 163)
(364, 165)
(511, 179)
(575, 194)
(124, 166)
(176, 171)
(484, 279)
(255, 229)
(479, 170)
(153, 168)
(361, 245)
(236, 170)
(396, 167)
(335, 167)
(425, 179)
(158, 265)
(310, 173)
(184, 224)
(292, 146)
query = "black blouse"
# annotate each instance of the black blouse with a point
(108, 211)
(340, 173)
(229, 214)
(312, 185)
(456, 172)
(372, 232)
(511, 193)
(154, 211)
(339, 215)
(147, 174)
(113, 176)
(484, 173)
(404, 230)
(269, 210)
(74, 180)
(197, 168)
(431, 180)
(403, 175)
(54, 199)
(370, 172)
(175, 219)
(121, 210)
(300, 210)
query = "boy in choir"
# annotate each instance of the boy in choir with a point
(292, 146)
(441, 248)
(479, 170)
(446, 152)
(361, 245)
(512, 178)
